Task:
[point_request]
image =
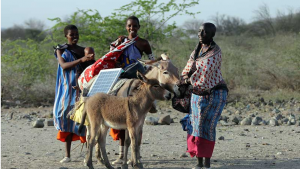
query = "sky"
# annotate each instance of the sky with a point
(16, 12)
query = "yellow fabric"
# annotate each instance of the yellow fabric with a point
(77, 116)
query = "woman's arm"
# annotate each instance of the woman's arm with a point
(188, 66)
(148, 50)
(67, 65)
(117, 42)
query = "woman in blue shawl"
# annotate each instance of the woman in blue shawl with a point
(71, 61)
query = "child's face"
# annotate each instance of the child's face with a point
(88, 51)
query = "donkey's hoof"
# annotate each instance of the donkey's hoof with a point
(100, 161)
(118, 161)
(84, 163)
(108, 166)
(125, 166)
(129, 162)
(197, 167)
(138, 166)
(90, 165)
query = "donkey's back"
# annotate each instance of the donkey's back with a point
(107, 109)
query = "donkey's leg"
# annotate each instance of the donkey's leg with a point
(88, 136)
(102, 143)
(139, 139)
(88, 129)
(98, 154)
(93, 132)
(139, 145)
(133, 132)
(127, 144)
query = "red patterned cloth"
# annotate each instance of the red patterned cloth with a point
(200, 147)
(108, 61)
(205, 70)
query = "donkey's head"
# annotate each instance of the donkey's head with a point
(165, 72)
(153, 88)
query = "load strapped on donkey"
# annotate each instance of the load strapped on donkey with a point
(161, 69)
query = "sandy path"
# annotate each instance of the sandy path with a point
(247, 147)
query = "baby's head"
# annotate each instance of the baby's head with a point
(89, 50)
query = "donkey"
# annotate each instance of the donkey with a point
(161, 69)
(129, 113)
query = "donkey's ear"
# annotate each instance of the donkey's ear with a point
(141, 77)
(165, 57)
(150, 62)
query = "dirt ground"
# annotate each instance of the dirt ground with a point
(247, 147)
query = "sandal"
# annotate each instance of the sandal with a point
(65, 160)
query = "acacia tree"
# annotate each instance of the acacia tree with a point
(33, 29)
(94, 30)
(265, 20)
(227, 25)
(154, 16)
(99, 31)
(192, 27)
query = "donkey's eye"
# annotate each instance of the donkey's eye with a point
(156, 86)
(166, 72)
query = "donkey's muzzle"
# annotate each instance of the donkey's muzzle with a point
(176, 90)
(168, 96)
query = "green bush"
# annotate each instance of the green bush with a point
(25, 64)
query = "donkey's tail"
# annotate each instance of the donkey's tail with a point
(82, 120)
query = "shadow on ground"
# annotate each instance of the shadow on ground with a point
(225, 164)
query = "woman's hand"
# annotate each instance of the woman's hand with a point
(187, 81)
(118, 65)
(87, 58)
(121, 39)
(184, 80)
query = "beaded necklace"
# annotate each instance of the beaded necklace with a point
(201, 50)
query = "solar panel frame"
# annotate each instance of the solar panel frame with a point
(105, 81)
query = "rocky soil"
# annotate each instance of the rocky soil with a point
(261, 134)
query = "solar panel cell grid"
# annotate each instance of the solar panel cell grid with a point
(105, 81)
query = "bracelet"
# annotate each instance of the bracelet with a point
(185, 81)
(150, 56)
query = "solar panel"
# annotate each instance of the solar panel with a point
(105, 81)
